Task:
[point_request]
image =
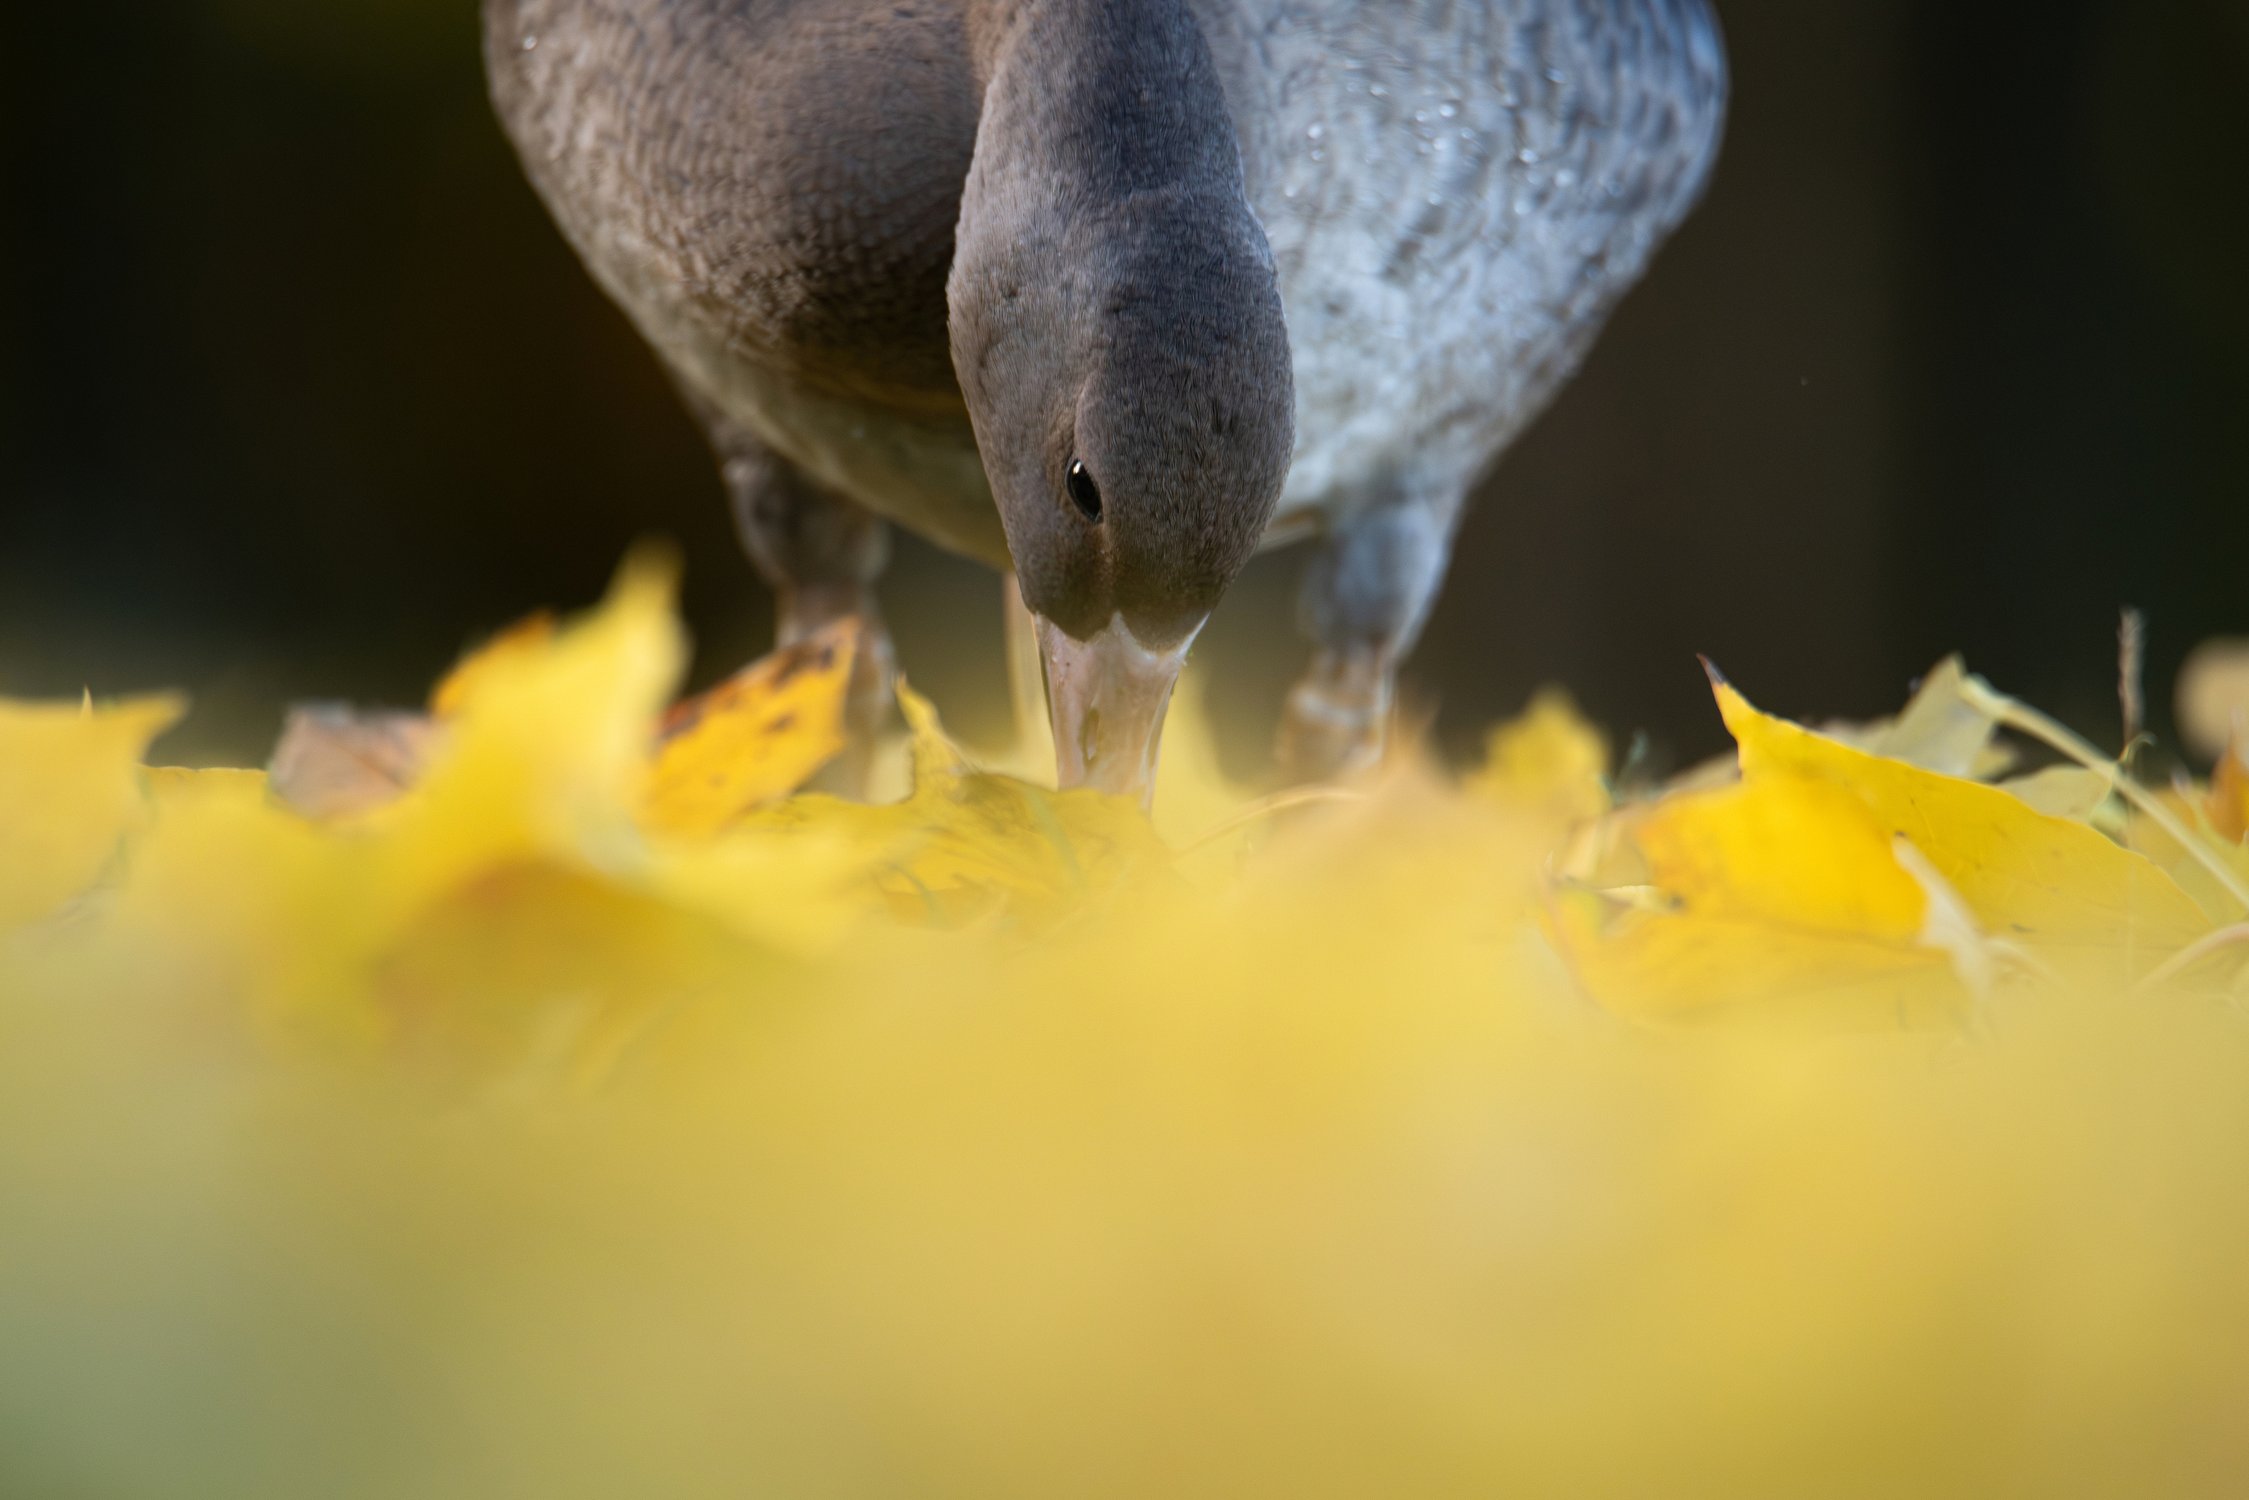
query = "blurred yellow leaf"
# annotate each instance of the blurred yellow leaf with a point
(757, 737)
(1549, 759)
(549, 751)
(490, 1131)
(2213, 695)
(1194, 794)
(336, 762)
(70, 788)
(544, 977)
(282, 940)
(520, 641)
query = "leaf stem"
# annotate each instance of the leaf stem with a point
(2024, 719)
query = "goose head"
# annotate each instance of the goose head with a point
(1117, 332)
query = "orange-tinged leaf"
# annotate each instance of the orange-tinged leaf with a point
(70, 789)
(2228, 802)
(755, 738)
(2025, 874)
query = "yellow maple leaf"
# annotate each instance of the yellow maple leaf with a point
(1786, 890)
(549, 754)
(1858, 886)
(756, 737)
(967, 843)
(316, 926)
(2028, 876)
(1794, 851)
(70, 789)
(967, 1108)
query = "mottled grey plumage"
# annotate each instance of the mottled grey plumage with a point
(833, 218)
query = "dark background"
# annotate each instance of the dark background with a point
(300, 393)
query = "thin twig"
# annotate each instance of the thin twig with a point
(2131, 672)
(2194, 953)
(2027, 720)
(1277, 803)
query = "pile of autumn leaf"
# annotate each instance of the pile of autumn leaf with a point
(542, 1095)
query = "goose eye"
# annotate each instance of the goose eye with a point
(1084, 493)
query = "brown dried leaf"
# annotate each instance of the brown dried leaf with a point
(336, 762)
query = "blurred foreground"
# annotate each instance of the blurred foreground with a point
(571, 1117)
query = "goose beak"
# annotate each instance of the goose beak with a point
(1107, 696)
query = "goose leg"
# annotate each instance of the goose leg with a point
(1366, 596)
(821, 554)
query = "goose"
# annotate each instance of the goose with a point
(1111, 294)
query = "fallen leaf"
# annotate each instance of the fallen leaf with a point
(967, 844)
(249, 914)
(755, 738)
(488, 1105)
(2188, 858)
(549, 749)
(1939, 730)
(1783, 895)
(1550, 759)
(517, 643)
(1793, 851)
(334, 762)
(2071, 792)
(1948, 926)
(2027, 875)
